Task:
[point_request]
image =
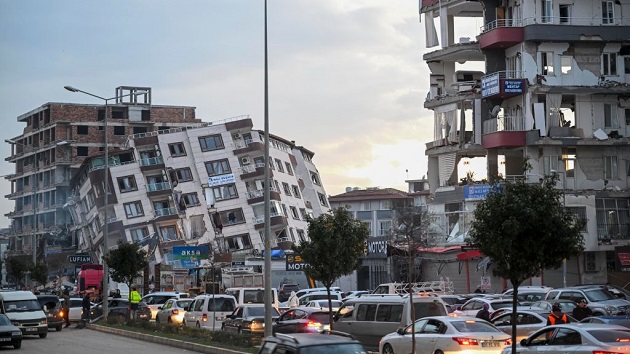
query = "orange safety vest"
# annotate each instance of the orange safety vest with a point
(553, 318)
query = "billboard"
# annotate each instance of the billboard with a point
(490, 85)
(186, 257)
(221, 180)
(476, 191)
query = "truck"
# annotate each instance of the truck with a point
(90, 277)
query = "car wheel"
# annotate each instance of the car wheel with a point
(17, 345)
(168, 320)
(58, 328)
(157, 319)
(239, 331)
(438, 352)
(43, 335)
(198, 325)
(387, 349)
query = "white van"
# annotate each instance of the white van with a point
(369, 318)
(253, 296)
(24, 311)
(209, 311)
(318, 295)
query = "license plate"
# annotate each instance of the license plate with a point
(31, 329)
(490, 344)
(5, 339)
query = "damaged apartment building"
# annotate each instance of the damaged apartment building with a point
(202, 184)
(543, 84)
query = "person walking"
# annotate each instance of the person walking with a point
(556, 316)
(85, 307)
(582, 311)
(117, 294)
(134, 300)
(484, 314)
(293, 300)
(66, 307)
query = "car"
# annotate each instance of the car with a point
(580, 338)
(446, 334)
(472, 306)
(318, 295)
(527, 321)
(616, 320)
(616, 290)
(323, 304)
(9, 334)
(209, 311)
(284, 291)
(528, 289)
(303, 343)
(354, 293)
(120, 308)
(302, 320)
(601, 301)
(159, 298)
(76, 309)
(305, 291)
(248, 319)
(566, 306)
(53, 310)
(453, 302)
(172, 311)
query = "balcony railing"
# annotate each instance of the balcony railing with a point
(241, 144)
(150, 161)
(259, 193)
(512, 123)
(563, 21)
(252, 168)
(165, 211)
(152, 187)
(261, 219)
(612, 232)
(511, 22)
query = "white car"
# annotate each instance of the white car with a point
(472, 306)
(582, 338)
(159, 298)
(323, 304)
(318, 295)
(446, 334)
(76, 307)
(172, 311)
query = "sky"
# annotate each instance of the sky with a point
(346, 77)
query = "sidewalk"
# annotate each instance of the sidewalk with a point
(165, 341)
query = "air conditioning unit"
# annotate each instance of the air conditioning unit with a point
(245, 160)
(236, 136)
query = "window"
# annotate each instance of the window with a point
(546, 63)
(218, 167)
(568, 156)
(277, 185)
(232, 217)
(612, 218)
(279, 164)
(547, 11)
(609, 64)
(627, 110)
(294, 213)
(551, 164)
(133, 209)
(289, 169)
(177, 149)
(608, 12)
(579, 212)
(82, 151)
(138, 235)
(296, 191)
(190, 199)
(271, 165)
(286, 188)
(566, 63)
(565, 14)
(119, 130)
(211, 142)
(168, 233)
(224, 192)
(385, 227)
(184, 174)
(82, 130)
(127, 184)
(301, 236)
(303, 213)
(610, 116)
(315, 178)
(366, 205)
(386, 204)
(611, 171)
(239, 242)
(322, 199)
(626, 65)
(590, 262)
(284, 210)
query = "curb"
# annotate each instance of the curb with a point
(165, 341)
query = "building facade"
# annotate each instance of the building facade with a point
(553, 99)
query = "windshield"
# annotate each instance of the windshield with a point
(184, 303)
(611, 336)
(426, 309)
(599, 295)
(345, 348)
(21, 306)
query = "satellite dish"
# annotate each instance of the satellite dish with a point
(495, 111)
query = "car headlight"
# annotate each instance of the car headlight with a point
(611, 308)
(18, 333)
(256, 325)
(43, 322)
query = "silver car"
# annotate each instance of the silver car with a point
(526, 322)
(582, 338)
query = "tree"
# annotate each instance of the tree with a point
(337, 240)
(524, 228)
(16, 269)
(126, 262)
(39, 272)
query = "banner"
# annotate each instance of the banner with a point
(186, 257)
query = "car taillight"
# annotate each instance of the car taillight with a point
(60, 313)
(466, 341)
(204, 318)
(175, 312)
(604, 352)
(312, 324)
(508, 341)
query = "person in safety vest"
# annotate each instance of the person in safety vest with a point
(134, 300)
(556, 316)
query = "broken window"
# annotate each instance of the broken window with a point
(566, 63)
(546, 63)
(568, 156)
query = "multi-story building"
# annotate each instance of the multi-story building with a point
(57, 138)
(554, 98)
(199, 185)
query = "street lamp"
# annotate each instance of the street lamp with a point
(106, 191)
(267, 197)
(564, 207)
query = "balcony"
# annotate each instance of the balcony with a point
(151, 163)
(504, 131)
(158, 189)
(248, 146)
(258, 196)
(501, 33)
(284, 243)
(166, 214)
(254, 171)
(503, 84)
(276, 221)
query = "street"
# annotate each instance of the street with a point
(87, 341)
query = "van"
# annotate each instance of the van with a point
(23, 309)
(369, 318)
(51, 304)
(204, 308)
(253, 296)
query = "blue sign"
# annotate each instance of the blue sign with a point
(189, 256)
(513, 86)
(490, 85)
(476, 191)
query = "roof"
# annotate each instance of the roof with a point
(369, 194)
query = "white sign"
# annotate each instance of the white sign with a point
(485, 283)
(221, 180)
(490, 85)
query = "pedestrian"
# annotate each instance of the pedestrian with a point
(66, 307)
(582, 311)
(484, 314)
(134, 300)
(293, 300)
(556, 316)
(117, 294)
(85, 309)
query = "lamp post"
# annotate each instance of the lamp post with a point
(106, 192)
(564, 207)
(267, 274)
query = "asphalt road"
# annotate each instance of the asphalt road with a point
(87, 341)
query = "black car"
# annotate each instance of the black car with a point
(302, 343)
(9, 334)
(52, 307)
(302, 320)
(120, 308)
